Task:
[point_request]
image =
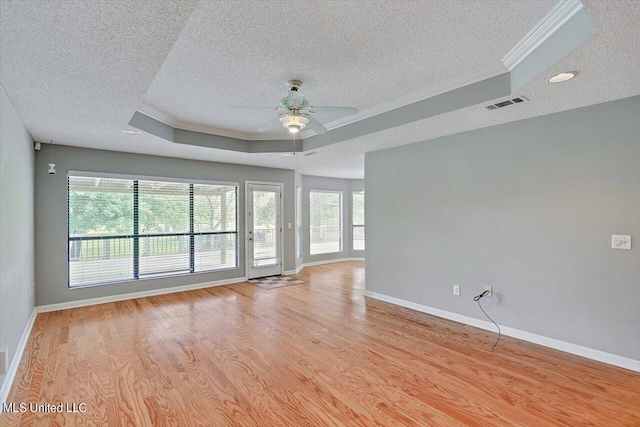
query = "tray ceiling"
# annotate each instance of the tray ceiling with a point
(77, 71)
(359, 54)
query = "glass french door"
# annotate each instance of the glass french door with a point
(264, 230)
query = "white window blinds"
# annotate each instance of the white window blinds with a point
(325, 208)
(100, 230)
(358, 220)
(128, 229)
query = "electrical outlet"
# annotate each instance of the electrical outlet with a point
(456, 290)
(490, 289)
(4, 360)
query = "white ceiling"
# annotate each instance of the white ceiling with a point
(77, 71)
(354, 53)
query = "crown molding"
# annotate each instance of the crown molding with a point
(416, 96)
(555, 19)
(156, 114)
(178, 124)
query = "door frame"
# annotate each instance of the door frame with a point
(246, 223)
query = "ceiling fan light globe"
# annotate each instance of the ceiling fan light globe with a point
(293, 123)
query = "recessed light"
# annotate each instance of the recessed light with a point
(131, 132)
(563, 77)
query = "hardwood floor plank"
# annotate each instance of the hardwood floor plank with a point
(316, 354)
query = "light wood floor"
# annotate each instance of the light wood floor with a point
(306, 355)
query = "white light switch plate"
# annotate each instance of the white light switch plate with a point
(620, 241)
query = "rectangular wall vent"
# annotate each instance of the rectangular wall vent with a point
(505, 103)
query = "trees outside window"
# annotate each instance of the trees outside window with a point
(358, 220)
(126, 229)
(325, 208)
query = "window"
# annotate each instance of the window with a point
(298, 222)
(358, 220)
(123, 229)
(326, 221)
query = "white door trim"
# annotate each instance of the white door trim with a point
(246, 223)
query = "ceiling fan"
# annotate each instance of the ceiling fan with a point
(296, 112)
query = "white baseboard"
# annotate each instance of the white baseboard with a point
(331, 261)
(134, 295)
(296, 271)
(328, 261)
(17, 357)
(589, 353)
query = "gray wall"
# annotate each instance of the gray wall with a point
(334, 184)
(298, 183)
(528, 207)
(51, 214)
(16, 227)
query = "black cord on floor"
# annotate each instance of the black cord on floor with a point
(477, 299)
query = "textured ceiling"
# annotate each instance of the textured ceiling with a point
(76, 69)
(76, 72)
(609, 67)
(349, 53)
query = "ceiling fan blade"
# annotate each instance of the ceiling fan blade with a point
(347, 111)
(271, 124)
(251, 107)
(315, 125)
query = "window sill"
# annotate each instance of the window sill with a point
(326, 253)
(144, 279)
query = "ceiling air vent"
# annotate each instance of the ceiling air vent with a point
(507, 102)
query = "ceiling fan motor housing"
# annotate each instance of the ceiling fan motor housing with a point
(295, 101)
